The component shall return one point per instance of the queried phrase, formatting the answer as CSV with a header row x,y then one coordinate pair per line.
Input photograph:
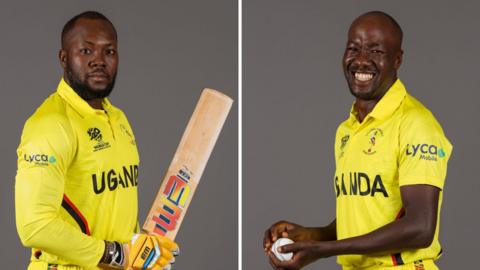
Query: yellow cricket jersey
x,y
398,143
76,182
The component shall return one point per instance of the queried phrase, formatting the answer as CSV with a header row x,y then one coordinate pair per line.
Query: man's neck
x,y
96,103
363,108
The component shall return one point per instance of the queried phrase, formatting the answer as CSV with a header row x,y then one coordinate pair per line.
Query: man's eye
x,y
111,52
377,51
85,51
352,49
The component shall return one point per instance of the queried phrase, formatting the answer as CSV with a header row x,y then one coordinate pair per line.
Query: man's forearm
x,y
392,238
327,233
416,229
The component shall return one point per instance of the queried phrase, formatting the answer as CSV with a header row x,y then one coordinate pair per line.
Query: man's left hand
x,y
304,253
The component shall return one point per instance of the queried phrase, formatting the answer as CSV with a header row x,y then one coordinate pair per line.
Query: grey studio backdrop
x,y
169,51
295,95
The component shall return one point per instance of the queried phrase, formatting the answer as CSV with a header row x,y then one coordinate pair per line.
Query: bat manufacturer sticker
x,y
174,200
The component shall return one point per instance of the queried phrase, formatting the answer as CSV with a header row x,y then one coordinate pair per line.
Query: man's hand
x,y
142,252
309,243
150,252
414,230
288,230
304,253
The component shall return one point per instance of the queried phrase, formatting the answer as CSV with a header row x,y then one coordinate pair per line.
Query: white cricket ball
x,y
282,242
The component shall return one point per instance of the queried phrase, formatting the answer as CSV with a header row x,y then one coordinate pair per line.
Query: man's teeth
x,y
363,76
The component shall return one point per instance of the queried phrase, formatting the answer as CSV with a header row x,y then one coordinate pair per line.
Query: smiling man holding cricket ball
x,y
391,160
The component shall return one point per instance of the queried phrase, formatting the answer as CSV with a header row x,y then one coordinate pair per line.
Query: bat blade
x,y
185,170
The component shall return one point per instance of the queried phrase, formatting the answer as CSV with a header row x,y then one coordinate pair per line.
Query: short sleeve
x,y
424,151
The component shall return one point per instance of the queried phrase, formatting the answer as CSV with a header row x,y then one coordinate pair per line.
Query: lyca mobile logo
x,y
40,159
425,151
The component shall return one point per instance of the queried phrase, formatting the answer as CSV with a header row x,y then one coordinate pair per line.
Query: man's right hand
x,y
150,252
142,252
288,230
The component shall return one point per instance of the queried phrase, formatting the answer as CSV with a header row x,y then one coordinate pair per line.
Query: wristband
x,y
113,255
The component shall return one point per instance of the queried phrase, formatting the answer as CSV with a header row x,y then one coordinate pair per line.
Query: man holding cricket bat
x,y
391,161
76,184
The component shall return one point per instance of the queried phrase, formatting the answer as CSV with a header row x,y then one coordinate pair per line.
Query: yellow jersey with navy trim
x,y
76,183
398,143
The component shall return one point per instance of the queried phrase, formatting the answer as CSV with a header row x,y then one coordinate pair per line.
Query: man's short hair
x,y
92,15
390,19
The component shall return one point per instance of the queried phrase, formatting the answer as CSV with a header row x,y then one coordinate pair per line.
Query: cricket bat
x,y
185,170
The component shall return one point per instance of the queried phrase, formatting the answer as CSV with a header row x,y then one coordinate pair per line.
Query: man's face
x,y
89,58
372,58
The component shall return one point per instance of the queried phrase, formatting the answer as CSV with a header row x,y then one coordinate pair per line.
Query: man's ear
x,y
399,59
62,56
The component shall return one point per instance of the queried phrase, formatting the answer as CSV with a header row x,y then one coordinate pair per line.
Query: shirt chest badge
x,y
96,135
128,133
343,143
373,137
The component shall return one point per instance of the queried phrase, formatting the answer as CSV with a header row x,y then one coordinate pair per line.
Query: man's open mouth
x,y
363,76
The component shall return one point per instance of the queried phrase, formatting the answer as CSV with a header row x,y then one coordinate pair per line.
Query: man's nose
x,y
362,58
98,59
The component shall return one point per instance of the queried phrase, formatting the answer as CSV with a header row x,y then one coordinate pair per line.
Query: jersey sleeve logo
x,y
373,135
96,135
425,151
40,159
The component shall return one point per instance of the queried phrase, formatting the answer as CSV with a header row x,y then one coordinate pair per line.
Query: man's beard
x,y
84,91
370,95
